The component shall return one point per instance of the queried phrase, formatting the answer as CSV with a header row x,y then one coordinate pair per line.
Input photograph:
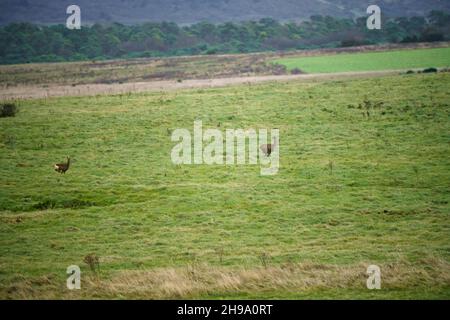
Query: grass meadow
x,y
370,61
364,179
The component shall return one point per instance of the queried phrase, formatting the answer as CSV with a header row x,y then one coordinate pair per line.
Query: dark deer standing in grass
x,y
62,167
268,148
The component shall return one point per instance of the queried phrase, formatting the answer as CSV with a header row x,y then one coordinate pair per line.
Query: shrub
x,y
212,51
429,70
8,110
296,71
432,37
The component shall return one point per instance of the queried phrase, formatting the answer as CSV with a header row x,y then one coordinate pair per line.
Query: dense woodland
x,y
25,42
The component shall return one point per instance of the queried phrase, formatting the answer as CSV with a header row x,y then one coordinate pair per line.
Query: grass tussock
x,y
204,280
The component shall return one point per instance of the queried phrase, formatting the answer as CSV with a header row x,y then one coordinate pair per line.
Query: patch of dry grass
x,y
201,280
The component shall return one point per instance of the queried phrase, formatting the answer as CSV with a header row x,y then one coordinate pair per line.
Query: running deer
x,y
62,167
268,148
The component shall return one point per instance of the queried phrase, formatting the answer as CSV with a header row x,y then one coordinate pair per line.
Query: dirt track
x,y
35,91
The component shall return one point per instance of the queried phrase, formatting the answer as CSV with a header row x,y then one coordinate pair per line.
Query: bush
x,y
212,51
353,42
429,70
432,37
296,71
8,110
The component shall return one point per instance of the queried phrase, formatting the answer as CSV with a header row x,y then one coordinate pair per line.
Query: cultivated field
x,y
370,61
364,179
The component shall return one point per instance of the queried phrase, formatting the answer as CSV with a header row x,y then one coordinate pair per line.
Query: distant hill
x,y
191,11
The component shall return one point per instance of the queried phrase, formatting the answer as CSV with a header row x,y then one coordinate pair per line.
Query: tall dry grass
x,y
200,280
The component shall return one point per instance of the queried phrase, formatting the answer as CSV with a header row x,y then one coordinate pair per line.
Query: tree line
x,y
26,42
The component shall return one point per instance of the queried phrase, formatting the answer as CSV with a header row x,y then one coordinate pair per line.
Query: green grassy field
x,y
364,179
370,61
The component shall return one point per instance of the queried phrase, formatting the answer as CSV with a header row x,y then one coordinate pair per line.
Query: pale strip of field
x,y
36,92
199,280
